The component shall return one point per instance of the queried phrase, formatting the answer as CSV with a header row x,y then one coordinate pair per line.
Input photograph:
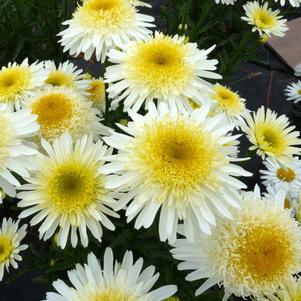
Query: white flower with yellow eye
x,y
163,68
293,92
111,281
18,81
178,164
252,254
100,25
66,191
10,244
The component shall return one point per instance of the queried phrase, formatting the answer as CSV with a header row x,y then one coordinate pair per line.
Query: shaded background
x,y
261,82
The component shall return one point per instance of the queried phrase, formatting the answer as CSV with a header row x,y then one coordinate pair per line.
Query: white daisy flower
x,y
10,244
100,25
18,81
61,109
66,191
286,176
163,68
15,127
294,3
66,75
271,135
176,163
293,92
297,70
111,281
228,102
264,19
252,254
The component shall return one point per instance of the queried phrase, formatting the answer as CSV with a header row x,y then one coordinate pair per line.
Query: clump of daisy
x,y
111,281
10,244
60,109
252,254
15,128
178,164
293,92
66,191
228,102
294,3
18,81
297,70
163,68
66,75
100,25
97,93
264,19
286,176
271,135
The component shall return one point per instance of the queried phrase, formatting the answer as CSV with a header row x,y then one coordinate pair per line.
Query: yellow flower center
x,y
286,174
159,66
54,111
178,157
263,19
97,92
113,294
299,92
5,247
59,78
73,186
228,100
13,81
270,138
106,16
264,252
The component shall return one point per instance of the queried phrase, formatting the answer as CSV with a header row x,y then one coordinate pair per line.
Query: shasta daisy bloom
x,y
294,3
271,135
293,92
61,109
111,281
163,68
254,253
66,75
228,102
97,93
264,19
100,25
286,176
15,128
18,81
178,164
66,191
10,244
297,70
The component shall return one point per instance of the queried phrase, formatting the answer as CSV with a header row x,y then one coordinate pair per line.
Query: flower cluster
x,y
175,157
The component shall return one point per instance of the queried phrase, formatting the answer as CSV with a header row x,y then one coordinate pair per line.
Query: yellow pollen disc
x,y
73,186
263,19
270,138
13,81
59,78
299,92
286,174
264,252
112,294
159,65
54,111
105,16
178,156
5,247
227,100
97,92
